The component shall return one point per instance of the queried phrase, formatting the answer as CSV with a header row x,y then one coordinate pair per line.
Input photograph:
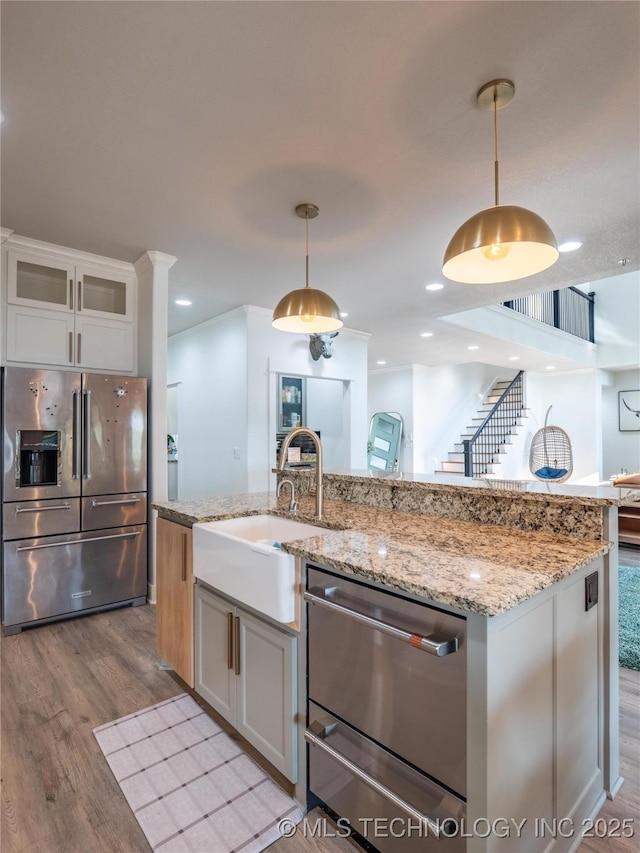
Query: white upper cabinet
x,y
67,311
38,283
43,282
102,296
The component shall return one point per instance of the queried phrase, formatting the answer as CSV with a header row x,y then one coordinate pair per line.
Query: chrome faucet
x,y
293,503
301,430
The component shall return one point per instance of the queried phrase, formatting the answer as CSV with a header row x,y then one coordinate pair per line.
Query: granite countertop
x,y
603,494
478,568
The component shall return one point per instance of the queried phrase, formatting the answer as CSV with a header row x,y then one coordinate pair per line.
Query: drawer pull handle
x,y
95,504
185,556
433,644
41,508
432,827
230,640
237,645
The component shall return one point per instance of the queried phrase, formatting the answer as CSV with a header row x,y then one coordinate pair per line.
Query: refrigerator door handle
x,y
76,461
86,436
78,541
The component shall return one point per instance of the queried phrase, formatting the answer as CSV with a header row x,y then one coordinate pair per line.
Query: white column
x,y
5,233
152,270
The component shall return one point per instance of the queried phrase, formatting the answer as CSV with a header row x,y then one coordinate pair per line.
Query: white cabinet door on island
x,y
535,722
245,668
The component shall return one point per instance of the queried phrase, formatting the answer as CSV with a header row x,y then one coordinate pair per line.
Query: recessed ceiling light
x,y
343,314
183,302
426,334
551,367
435,286
381,362
569,246
514,358
473,346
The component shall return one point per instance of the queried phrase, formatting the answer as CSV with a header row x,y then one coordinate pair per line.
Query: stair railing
x,y
480,450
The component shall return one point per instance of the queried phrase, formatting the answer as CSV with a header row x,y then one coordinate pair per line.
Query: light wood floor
x,y
60,681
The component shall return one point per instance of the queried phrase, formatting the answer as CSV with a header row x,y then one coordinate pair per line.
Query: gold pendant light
x,y
307,311
504,242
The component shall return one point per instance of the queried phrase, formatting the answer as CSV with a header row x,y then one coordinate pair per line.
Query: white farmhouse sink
x,y
241,558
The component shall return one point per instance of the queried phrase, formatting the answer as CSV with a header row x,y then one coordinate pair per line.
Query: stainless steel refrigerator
x,y
74,494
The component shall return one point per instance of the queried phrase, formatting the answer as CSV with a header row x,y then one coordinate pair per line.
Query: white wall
x,y
619,449
436,403
271,352
325,413
228,368
210,362
449,397
576,398
505,324
617,320
391,390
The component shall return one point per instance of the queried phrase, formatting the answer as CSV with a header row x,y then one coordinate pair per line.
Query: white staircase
x,y
489,456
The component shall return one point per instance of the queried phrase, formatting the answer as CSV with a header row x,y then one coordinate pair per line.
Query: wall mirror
x,y
383,447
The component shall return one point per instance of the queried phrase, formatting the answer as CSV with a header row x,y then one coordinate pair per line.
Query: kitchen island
x,y
540,716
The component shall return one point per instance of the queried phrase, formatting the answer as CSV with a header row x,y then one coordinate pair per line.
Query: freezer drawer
x,y
380,672
104,511
27,519
386,801
58,575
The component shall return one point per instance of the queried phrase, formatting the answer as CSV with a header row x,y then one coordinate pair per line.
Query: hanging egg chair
x,y
550,457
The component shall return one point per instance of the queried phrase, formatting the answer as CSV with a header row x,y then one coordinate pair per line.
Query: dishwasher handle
x,y
434,644
315,736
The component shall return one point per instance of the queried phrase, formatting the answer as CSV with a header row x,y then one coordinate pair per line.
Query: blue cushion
x,y
550,473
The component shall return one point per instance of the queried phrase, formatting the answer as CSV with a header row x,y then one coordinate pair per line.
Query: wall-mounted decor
x,y
629,411
320,345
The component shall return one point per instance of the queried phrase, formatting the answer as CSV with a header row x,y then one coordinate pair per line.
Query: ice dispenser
x,y
39,456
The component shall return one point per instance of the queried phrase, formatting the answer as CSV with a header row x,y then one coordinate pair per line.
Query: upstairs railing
x,y
480,450
568,309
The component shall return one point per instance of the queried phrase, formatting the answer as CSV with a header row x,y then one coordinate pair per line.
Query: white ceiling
x,y
194,128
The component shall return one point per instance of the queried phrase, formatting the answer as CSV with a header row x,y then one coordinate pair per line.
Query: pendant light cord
x,y
306,225
495,145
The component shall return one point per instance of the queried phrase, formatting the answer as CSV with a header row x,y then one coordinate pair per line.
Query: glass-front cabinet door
x,y
291,402
40,282
104,295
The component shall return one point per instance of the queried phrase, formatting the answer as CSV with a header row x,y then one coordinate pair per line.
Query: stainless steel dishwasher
x,y
386,714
